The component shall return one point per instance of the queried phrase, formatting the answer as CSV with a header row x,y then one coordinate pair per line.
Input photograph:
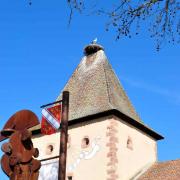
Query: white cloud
x,y
170,94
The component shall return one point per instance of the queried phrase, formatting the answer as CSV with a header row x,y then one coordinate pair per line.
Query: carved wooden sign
x,y
18,161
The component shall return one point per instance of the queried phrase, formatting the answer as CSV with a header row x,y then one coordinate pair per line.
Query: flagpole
x,y
63,136
49,104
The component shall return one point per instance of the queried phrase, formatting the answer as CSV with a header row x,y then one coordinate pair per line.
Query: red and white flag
x,y
51,119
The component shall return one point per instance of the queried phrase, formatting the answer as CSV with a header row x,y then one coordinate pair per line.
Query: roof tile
x,y
169,170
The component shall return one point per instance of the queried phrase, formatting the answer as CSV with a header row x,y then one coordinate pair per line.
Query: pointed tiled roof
x,y
95,91
95,88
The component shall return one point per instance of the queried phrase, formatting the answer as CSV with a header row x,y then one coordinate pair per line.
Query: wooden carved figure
x,y
18,161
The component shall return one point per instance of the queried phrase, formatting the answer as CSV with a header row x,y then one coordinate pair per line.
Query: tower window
x,y
85,142
69,141
49,149
129,143
70,178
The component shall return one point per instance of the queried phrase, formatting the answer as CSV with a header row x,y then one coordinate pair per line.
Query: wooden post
x,y
63,136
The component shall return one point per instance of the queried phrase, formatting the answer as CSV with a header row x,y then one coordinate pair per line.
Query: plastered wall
x,y
83,162
109,155
136,150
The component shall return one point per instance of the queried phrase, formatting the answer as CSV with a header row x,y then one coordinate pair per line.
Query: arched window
x,y
69,141
129,143
70,176
49,149
85,142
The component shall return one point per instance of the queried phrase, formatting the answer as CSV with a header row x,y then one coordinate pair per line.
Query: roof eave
x,y
117,113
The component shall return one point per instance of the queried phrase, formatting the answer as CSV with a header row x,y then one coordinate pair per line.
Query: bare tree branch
x,y
127,17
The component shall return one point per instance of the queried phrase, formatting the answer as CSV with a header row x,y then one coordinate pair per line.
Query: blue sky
x,y
38,53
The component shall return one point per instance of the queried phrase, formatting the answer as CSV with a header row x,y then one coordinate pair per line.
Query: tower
x,y
107,139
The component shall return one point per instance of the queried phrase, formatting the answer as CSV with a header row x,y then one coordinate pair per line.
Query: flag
x,y
51,118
